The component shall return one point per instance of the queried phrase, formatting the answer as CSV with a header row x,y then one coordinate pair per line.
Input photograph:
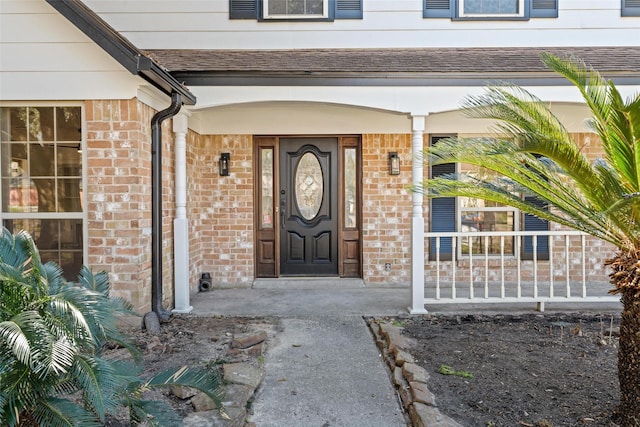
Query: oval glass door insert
x,y
309,186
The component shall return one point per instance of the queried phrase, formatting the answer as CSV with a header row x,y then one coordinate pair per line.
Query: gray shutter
x,y
543,9
443,218
443,211
630,7
533,223
243,9
438,8
348,9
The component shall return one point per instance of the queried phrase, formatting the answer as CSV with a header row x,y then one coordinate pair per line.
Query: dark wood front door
x,y
308,202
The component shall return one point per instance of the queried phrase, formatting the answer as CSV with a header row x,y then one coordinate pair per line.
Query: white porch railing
x,y
495,270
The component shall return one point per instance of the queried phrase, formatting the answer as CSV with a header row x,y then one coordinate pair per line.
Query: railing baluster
x,y
438,267
567,265
502,295
454,252
534,241
550,266
518,269
583,249
486,267
470,267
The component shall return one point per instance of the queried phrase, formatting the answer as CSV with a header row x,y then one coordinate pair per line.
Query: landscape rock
x,y
182,392
421,394
428,416
248,339
201,403
234,417
237,395
243,373
413,372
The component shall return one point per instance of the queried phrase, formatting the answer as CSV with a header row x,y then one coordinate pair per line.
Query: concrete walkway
x,y
323,368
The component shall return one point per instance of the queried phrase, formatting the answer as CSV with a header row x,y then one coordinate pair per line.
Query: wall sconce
x,y
225,158
394,163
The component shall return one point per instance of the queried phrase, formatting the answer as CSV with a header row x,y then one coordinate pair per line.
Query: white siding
x,y
205,24
44,57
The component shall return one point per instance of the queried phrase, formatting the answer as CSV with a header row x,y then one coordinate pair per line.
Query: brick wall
x,y
220,209
119,198
386,214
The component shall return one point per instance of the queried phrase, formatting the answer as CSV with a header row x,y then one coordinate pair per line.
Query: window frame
x,y
77,215
520,220
450,9
519,14
336,9
286,17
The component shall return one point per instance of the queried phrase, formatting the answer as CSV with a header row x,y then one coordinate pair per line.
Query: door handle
x,y
283,208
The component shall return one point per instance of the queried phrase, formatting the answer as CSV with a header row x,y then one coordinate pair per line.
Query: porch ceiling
x,y
394,67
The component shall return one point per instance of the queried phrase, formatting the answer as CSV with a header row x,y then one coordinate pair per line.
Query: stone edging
x,y
409,378
241,380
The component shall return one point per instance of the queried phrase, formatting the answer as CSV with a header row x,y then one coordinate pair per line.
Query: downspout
x,y
156,204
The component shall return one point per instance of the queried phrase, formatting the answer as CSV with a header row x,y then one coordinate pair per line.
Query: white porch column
x,y
181,223
417,219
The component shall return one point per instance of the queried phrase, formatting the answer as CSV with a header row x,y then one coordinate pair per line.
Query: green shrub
x,y
53,335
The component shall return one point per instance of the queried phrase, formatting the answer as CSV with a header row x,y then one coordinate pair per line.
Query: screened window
x,y
279,9
490,9
498,8
41,179
316,10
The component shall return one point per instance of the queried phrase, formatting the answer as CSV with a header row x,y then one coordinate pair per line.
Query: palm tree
x,y
53,335
532,154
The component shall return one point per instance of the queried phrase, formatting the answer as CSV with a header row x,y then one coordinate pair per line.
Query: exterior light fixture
x,y
394,163
225,159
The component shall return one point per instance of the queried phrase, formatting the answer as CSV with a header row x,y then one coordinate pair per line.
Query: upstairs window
x,y
295,10
630,7
491,9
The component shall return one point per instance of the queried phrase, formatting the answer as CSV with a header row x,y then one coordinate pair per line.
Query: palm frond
x,y
581,194
154,413
99,383
56,412
207,381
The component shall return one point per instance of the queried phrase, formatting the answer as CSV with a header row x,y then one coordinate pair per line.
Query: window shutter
x,y
543,9
532,223
443,211
630,7
443,218
348,9
243,9
438,8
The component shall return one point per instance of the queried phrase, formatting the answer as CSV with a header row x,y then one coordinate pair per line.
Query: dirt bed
x,y
531,370
191,341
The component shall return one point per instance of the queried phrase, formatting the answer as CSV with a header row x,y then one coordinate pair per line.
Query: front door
x,y
308,206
